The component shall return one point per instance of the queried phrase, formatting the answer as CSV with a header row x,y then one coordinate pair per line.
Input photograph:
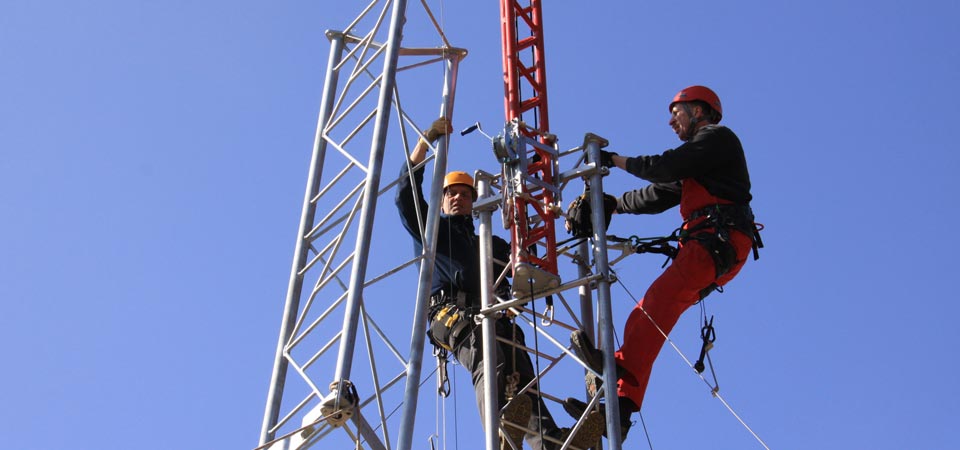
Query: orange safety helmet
x,y
699,93
458,177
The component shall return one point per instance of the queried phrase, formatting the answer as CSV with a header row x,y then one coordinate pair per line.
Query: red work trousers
x,y
668,297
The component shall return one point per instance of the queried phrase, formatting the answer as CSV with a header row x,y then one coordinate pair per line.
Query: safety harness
x,y
451,320
720,218
723,218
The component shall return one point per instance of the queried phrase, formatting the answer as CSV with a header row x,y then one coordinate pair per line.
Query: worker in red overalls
x,y
707,176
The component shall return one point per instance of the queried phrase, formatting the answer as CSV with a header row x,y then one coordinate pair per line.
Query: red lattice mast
x,y
525,91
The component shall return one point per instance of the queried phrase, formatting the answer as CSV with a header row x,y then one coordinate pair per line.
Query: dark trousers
x,y
509,360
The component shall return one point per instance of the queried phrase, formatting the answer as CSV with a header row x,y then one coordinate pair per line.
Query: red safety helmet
x,y
701,93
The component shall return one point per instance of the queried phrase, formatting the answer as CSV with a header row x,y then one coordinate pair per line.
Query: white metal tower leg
x,y
361,253
295,287
425,284
605,320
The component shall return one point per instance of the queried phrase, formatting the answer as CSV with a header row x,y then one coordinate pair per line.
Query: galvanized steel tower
x,y
348,374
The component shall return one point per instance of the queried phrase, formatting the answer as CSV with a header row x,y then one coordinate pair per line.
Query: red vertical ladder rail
x,y
526,231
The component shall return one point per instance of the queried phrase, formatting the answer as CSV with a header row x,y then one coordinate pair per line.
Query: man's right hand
x,y
439,127
606,159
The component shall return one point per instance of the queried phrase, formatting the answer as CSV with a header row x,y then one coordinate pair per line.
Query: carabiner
x,y
547,319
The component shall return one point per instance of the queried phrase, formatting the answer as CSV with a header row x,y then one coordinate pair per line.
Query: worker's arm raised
x,y
439,127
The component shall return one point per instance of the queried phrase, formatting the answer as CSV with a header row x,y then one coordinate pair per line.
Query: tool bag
x,y
579,221
449,324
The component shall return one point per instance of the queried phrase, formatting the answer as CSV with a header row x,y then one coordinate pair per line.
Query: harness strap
x,y
719,219
443,380
461,299
725,216
659,245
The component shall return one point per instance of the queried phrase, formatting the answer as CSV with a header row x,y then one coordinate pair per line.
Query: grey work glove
x,y
439,127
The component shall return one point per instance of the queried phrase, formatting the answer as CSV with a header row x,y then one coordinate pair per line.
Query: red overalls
x,y
671,294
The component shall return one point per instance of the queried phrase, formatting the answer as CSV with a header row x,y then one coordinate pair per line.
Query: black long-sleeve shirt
x,y
713,158
457,267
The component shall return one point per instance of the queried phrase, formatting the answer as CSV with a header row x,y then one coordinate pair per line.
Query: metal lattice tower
x,y
341,376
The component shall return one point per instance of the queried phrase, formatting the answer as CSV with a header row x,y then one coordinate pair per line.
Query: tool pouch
x,y
448,326
579,219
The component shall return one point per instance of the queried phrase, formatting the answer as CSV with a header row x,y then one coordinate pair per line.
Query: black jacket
x,y
713,158
457,267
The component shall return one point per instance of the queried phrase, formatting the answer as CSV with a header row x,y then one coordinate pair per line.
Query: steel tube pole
x,y
605,322
586,296
418,334
292,303
491,408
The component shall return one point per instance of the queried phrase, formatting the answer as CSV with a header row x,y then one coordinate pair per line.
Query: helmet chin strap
x,y
692,126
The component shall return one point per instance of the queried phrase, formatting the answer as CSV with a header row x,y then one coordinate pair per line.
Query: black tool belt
x,y
459,298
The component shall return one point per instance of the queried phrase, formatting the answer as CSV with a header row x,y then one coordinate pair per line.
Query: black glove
x,y
606,158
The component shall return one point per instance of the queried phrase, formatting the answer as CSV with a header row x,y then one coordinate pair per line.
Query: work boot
x,y
584,349
517,412
588,436
575,409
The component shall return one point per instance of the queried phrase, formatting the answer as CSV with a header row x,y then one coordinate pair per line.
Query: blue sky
x,y
154,156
